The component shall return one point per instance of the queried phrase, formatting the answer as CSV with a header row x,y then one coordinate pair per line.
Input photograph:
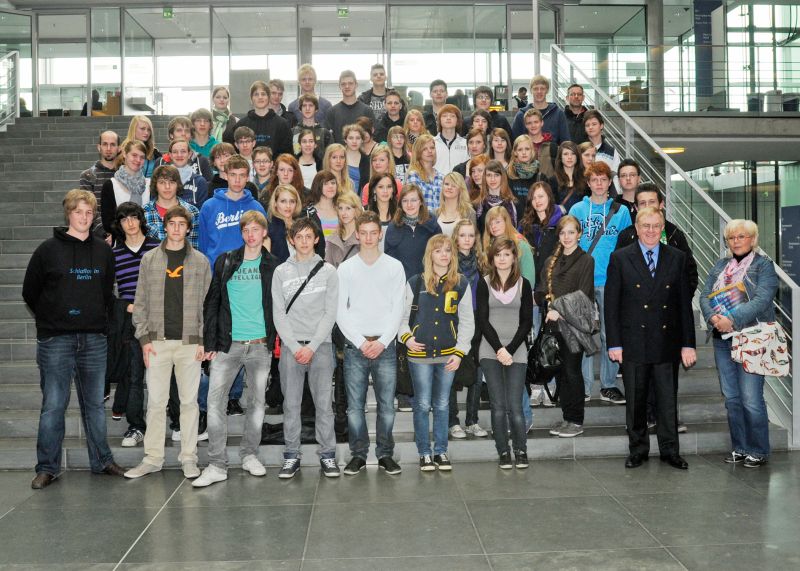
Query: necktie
x,y
651,263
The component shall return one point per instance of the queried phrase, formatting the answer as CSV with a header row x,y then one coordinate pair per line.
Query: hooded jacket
x,y
593,220
219,222
555,123
271,131
385,123
407,245
577,131
68,285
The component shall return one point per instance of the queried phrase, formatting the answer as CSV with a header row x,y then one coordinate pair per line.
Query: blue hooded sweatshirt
x,y
555,123
219,222
593,219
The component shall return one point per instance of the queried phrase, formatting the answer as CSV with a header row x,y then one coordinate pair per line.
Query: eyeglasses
x,y
576,94
244,141
261,162
738,237
483,97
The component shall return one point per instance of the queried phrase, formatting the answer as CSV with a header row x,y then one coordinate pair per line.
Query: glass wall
x,y
106,63
15,35
139,68
62,66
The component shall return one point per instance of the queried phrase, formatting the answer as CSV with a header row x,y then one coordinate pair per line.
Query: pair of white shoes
x,y
539,397
213,474
190,470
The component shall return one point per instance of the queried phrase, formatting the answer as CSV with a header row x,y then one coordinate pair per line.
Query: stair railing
x,y
9,88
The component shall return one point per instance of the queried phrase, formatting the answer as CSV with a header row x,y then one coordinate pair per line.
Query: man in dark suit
x,y
649,324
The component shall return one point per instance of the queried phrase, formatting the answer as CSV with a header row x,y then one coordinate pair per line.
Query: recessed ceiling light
x,y
673,150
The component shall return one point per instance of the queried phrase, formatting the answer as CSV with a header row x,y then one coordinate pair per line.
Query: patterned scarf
x,y
526,170
410,221
135,183
734,271
220,121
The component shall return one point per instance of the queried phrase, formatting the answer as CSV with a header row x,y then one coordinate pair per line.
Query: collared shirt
x,y
155,223
645,249
431,191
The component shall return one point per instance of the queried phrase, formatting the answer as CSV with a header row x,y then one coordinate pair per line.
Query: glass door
x,y
63,62
15,35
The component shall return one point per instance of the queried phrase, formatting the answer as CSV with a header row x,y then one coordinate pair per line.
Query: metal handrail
x,y
632,129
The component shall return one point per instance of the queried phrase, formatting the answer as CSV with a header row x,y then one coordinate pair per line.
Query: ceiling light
x,y
673,150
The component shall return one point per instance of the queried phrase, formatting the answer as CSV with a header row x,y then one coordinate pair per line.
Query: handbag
x,y
466,373
544,358
761,349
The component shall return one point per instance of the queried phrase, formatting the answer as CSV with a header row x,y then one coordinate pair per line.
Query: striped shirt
x,y
126,266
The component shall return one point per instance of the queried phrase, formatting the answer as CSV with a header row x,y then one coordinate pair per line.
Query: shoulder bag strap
x,y
412,317
611,212
309,277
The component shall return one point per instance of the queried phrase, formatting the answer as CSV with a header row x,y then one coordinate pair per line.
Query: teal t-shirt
x,y
244,292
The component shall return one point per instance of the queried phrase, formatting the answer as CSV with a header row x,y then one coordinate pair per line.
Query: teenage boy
x,y
629,179
555,122
594,124
574,112
269,130
238,332
305,294
375,97
93,178
202,141
219,156
181,128
451,148
276,90
307,79
348,109
395,116
369,319
164,188
309,105
482,99
168,316
68,286
245,139
438,89
601,220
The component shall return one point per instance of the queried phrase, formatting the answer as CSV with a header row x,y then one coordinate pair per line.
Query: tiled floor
x,y
585,514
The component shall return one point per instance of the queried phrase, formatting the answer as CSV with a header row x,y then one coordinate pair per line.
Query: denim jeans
x,y
431,389
473,402
608,368
236,391
61,358
505,384
357,369
255,359
744,399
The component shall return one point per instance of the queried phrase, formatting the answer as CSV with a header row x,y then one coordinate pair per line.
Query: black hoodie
x,y
68,285
271,131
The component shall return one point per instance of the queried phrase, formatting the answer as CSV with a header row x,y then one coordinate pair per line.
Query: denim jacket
x,y
761,283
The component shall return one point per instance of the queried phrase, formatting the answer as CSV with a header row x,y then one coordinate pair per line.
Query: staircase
x,y
41,158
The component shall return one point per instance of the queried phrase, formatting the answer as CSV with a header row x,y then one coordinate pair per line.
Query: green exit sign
x,y
167,12
343,12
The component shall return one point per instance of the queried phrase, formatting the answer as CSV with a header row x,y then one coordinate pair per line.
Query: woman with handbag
x,y
743,390
436,328
504,314
568,270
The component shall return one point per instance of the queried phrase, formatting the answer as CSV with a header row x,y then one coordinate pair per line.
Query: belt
x,y
261,341
372,337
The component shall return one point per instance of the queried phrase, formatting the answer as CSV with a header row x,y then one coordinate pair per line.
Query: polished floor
x,y
559,514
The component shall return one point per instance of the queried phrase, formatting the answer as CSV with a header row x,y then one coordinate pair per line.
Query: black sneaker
x,y
234,408
290,467
613,395
426,464
505,461
735,458
329,468
387,463
355,465
521,459
753,462
442,461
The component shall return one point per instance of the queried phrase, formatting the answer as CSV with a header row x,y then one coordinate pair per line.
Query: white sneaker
x,y
203,436
132,437
176,435
546,399
210,475
477,430
142,469
190,470
457,432
536,396
253,466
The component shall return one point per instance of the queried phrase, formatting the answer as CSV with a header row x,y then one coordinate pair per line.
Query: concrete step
x,y
14,261
10,292
17,207
42,219
11,277
19,374
40,175
17,330
13,310
11,351
18,246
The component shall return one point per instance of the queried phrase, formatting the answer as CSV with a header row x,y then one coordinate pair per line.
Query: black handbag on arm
x,y
544,357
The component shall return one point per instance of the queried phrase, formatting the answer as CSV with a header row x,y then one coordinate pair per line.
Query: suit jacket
x,y
649,317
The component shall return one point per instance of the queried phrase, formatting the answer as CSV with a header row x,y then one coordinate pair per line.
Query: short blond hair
x,y
540,80
74,197
749,227
253,216
304,69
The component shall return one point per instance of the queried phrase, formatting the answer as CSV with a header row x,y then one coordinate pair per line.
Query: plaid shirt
x,y
431,191
155,223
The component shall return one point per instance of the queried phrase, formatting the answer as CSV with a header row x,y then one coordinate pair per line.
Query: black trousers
x,y
570,385
638,378
651,397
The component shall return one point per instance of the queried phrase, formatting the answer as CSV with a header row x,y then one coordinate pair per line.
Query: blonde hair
x,y
512,165
750,228
75,197
540,80
149,144
273,201
351,199
126,147
416,155
347,129
382,148
341,177
477,247
428,275
464,205
509,232
406,129
304,69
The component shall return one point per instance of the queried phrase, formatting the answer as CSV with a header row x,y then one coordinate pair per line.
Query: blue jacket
x,y
219,222
592,218
195,190
761,283
408,246
555,123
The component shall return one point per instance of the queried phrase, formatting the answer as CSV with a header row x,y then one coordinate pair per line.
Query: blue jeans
x,y
357,369
744,399
236,392
608,368
431,388
60,358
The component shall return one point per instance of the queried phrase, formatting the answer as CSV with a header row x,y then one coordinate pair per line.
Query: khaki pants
x,y
187,375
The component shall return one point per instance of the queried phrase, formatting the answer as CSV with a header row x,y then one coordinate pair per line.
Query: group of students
x,y
434,247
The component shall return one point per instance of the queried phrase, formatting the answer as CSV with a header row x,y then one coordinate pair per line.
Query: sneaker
x,y
355,465
587,398
253,466
753,462
190,470
387,463
546,402
133,437
505,461
536,396
426,464
682,428
142,469
176,435
211,475
457,432
651,424
735,458
117,416
442,462
613,395
570,430
329,468
558,427
403,404
234,408
521,459
477,430
291,466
